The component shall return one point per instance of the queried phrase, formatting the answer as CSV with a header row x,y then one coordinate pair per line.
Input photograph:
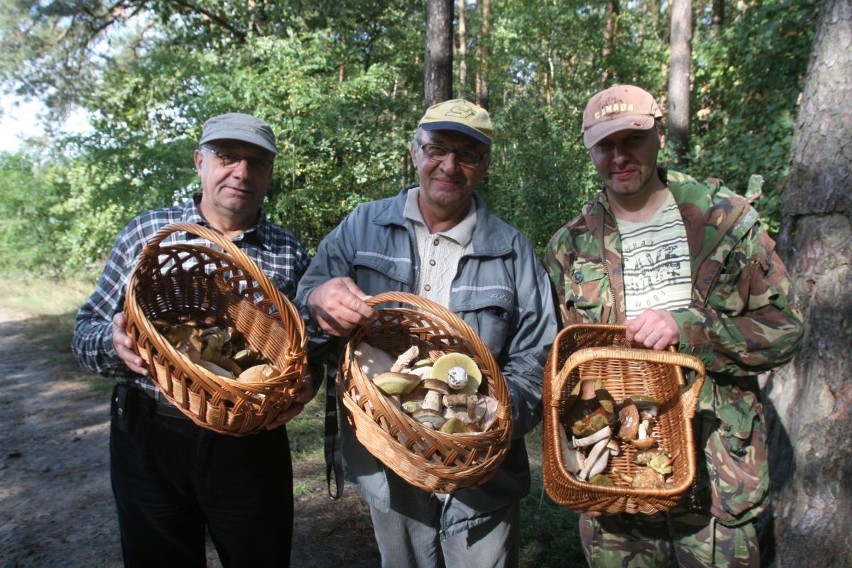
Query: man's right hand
x,y
124,345
338,306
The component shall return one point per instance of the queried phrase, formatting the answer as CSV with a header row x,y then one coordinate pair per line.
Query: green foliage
x,y
748,77
341,85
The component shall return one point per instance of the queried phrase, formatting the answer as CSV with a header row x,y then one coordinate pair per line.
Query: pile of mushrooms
x,y
217,348
438,390
596,428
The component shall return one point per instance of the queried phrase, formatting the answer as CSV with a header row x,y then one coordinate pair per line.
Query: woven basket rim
x,y
244,396
446,479
583,496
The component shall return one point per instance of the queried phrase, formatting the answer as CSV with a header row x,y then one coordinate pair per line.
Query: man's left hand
x,y
303,397
654,329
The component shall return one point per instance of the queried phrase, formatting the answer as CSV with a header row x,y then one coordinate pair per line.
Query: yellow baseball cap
x,y
461,116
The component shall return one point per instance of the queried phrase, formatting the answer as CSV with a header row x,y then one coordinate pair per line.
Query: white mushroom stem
x,y
604,433
572,456
644,426
599,449
405,359
432,401
599,465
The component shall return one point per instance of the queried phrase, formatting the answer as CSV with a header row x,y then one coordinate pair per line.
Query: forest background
x,y
344,83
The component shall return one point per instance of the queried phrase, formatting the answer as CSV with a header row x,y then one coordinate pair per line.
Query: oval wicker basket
x,y
198,281
597,351
426,458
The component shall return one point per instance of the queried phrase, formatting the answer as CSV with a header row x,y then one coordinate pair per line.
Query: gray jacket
x,y
501,290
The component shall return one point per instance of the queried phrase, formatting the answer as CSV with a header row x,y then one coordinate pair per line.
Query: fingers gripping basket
x,y
426,458
198,281
596,351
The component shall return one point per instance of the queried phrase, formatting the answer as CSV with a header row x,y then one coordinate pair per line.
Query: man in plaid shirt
x,y
171,478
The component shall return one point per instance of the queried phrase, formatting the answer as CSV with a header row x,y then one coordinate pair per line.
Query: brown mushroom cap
x,y
436,385
628,418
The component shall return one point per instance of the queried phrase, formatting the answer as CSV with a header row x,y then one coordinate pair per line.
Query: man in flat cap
x,y
172,479
437,239
688,264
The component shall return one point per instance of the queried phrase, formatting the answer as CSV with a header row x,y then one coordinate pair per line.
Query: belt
x,y
160,407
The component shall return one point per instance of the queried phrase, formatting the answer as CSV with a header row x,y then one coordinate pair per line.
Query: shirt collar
x,y
461,233
258,234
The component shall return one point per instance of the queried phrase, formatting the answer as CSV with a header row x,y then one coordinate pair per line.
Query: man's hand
x,y
338,306
303,397
654,329
124,345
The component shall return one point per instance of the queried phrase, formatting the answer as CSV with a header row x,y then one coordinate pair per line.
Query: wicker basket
x,y
429,459
596,351
194,280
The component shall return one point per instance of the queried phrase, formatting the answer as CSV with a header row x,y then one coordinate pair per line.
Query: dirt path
x,y
56,506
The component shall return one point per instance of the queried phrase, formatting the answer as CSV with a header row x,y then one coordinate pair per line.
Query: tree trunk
x,y
609,37
438,80
462,51
810,400
484,55
679,78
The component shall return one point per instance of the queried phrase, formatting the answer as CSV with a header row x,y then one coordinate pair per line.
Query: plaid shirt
x,y
278,253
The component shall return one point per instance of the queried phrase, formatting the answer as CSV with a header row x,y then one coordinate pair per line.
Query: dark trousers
x,y
173,479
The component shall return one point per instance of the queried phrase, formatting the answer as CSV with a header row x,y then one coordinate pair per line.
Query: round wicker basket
x,y
201,282
426,458
597,351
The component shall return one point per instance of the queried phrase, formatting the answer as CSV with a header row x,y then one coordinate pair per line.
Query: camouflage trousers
x,y
675,538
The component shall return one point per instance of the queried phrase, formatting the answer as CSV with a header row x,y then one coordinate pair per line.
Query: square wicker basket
x,y
426,458
597,351
198,281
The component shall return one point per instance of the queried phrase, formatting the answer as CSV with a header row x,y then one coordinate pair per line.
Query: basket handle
x,y
443,313
246,263
690,392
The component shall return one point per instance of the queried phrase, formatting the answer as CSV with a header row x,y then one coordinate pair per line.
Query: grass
x,y
549,536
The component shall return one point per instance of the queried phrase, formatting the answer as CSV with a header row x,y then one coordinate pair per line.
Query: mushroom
x,y
647,407
628,419
453,426
428,418
445,363
372,361
603,434
589,408
396,383
456,378
647,478
405,359
573,457
596,460
432,400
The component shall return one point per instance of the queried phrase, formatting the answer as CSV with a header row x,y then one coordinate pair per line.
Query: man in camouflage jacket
x,y
738,319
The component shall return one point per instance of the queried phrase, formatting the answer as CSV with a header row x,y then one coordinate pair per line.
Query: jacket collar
x,y
492,237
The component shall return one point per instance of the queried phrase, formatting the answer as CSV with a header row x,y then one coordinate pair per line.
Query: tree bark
x,y
438,79
484,55
610,27
810,400
679,78
462,50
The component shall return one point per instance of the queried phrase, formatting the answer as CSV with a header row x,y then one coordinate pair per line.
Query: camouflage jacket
x,y
742,321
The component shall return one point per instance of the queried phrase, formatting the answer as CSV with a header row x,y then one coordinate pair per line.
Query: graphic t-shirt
x,y
655,258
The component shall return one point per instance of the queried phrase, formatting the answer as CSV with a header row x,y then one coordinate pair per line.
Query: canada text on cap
x,y
239,126
461,116
622,107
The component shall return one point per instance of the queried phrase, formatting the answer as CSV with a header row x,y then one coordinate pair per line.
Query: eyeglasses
x,y
467,158
230,161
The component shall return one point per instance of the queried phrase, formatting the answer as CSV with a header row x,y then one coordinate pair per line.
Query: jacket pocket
x,y
375,271
586,289
736,456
